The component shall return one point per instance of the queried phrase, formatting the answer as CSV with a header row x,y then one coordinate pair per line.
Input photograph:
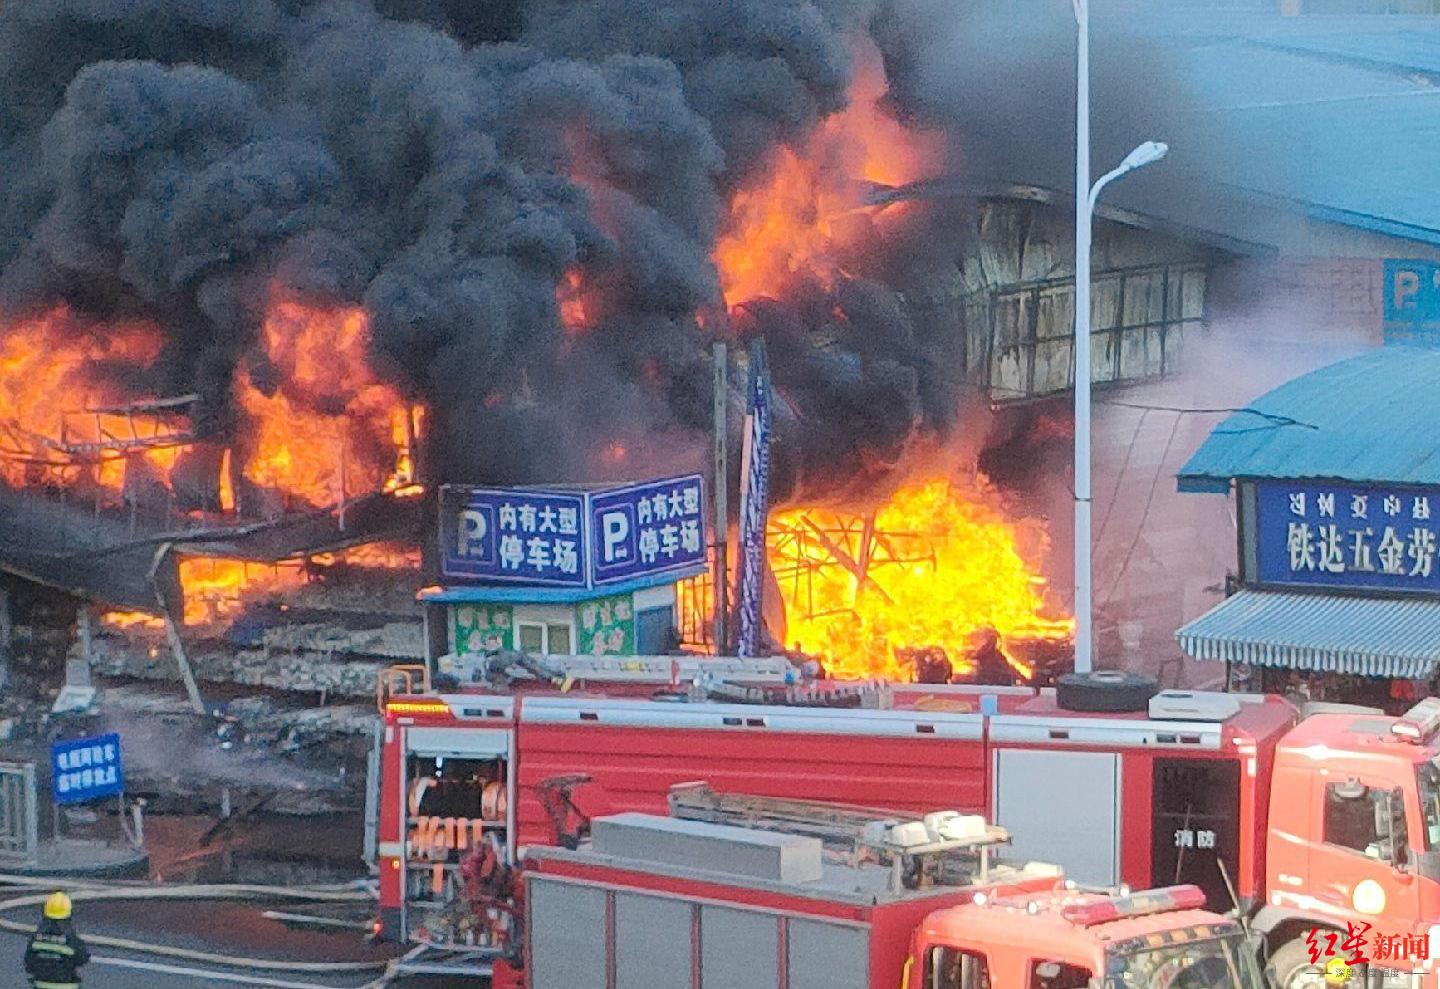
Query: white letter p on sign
x,y
615,529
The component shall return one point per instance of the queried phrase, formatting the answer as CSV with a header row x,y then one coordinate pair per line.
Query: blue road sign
x,y
650,528
85,769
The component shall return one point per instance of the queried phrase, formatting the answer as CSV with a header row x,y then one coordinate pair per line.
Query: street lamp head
x,y
1144,154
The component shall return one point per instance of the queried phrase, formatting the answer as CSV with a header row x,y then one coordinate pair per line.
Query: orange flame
x,y
131,619
794,217
217,589
940,568
50,371
328,430
577,306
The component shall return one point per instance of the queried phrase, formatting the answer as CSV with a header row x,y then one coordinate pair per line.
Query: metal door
x,y
19,814
1062,807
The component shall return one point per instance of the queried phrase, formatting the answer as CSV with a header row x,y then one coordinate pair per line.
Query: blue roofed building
x,y
1335,478
1304,156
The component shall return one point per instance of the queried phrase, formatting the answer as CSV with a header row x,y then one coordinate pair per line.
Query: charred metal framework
x,y
814,544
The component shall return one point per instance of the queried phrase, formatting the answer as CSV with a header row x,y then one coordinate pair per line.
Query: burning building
x,y
270,273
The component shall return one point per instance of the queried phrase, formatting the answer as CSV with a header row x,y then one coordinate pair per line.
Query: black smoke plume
x,y
447,165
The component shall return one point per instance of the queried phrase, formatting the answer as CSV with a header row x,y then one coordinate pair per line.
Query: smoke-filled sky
x,y
179,159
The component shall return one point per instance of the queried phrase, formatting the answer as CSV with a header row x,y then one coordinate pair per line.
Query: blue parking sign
x,y
514,535
646,529
85,769
1412,301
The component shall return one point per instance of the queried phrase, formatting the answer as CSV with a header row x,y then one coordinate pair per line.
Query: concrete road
x,y
221,928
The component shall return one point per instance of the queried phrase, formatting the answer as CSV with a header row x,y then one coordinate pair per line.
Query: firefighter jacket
x,y
54,955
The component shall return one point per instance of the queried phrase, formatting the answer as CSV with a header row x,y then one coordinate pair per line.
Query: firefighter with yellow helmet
x,y
55,954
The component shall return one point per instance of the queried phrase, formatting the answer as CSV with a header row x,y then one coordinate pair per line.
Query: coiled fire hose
x,y
86,892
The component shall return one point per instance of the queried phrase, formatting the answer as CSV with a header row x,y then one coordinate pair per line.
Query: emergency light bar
x,y
1419,723
1137,905
416,707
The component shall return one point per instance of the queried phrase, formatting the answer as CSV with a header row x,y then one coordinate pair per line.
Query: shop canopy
x,y
1370,419
1382,637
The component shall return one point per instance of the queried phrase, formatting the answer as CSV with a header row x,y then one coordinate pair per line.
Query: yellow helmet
x,y
57,907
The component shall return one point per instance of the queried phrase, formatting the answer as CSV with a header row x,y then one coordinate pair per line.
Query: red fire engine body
x,y
663,909
1321,823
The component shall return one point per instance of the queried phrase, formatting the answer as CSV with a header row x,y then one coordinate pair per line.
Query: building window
x,y
552,638
557,640
532,638
655,633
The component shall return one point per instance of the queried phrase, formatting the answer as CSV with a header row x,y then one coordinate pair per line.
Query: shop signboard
x,y
1347,536
482,628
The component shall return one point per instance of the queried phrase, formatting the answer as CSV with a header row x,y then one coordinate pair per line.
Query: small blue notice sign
x,y
85,769
1412,301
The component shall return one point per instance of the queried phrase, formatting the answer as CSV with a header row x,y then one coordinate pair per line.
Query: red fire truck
x,y
657,902
1331,822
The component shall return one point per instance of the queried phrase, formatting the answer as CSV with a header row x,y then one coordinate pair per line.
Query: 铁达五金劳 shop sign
x,y
1363,537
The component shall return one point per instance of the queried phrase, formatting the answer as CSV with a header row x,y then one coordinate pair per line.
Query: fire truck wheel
x,y
1105,690
1293,969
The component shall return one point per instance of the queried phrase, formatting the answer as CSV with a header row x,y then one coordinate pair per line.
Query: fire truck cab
x,y
1062,939
1354,836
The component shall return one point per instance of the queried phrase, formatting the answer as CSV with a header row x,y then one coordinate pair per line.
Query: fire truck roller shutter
x,y
567,936
457,743
1062,807
827,956
652,942
739,949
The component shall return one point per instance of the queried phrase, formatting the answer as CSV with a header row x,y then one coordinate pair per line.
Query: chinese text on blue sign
x,y
648,529
85,769
1337,535
533,537
1412,301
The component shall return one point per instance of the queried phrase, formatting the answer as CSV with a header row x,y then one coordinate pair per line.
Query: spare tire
x,y
1105,690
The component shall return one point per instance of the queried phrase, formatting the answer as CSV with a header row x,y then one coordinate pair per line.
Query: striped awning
x,y
1380,637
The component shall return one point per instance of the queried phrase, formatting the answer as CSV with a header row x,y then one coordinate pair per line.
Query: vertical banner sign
x,y
85,769
1412,302
754,501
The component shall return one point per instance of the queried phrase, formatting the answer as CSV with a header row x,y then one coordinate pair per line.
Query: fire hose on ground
x,y
87,892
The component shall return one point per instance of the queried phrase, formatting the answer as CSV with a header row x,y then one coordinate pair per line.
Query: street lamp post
x,y
1086,196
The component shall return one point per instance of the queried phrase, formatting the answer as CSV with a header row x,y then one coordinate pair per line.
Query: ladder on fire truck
x,y
921,847
726,679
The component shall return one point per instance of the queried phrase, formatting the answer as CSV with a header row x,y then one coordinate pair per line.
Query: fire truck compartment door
x,y
457,743
567,936
1062,807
